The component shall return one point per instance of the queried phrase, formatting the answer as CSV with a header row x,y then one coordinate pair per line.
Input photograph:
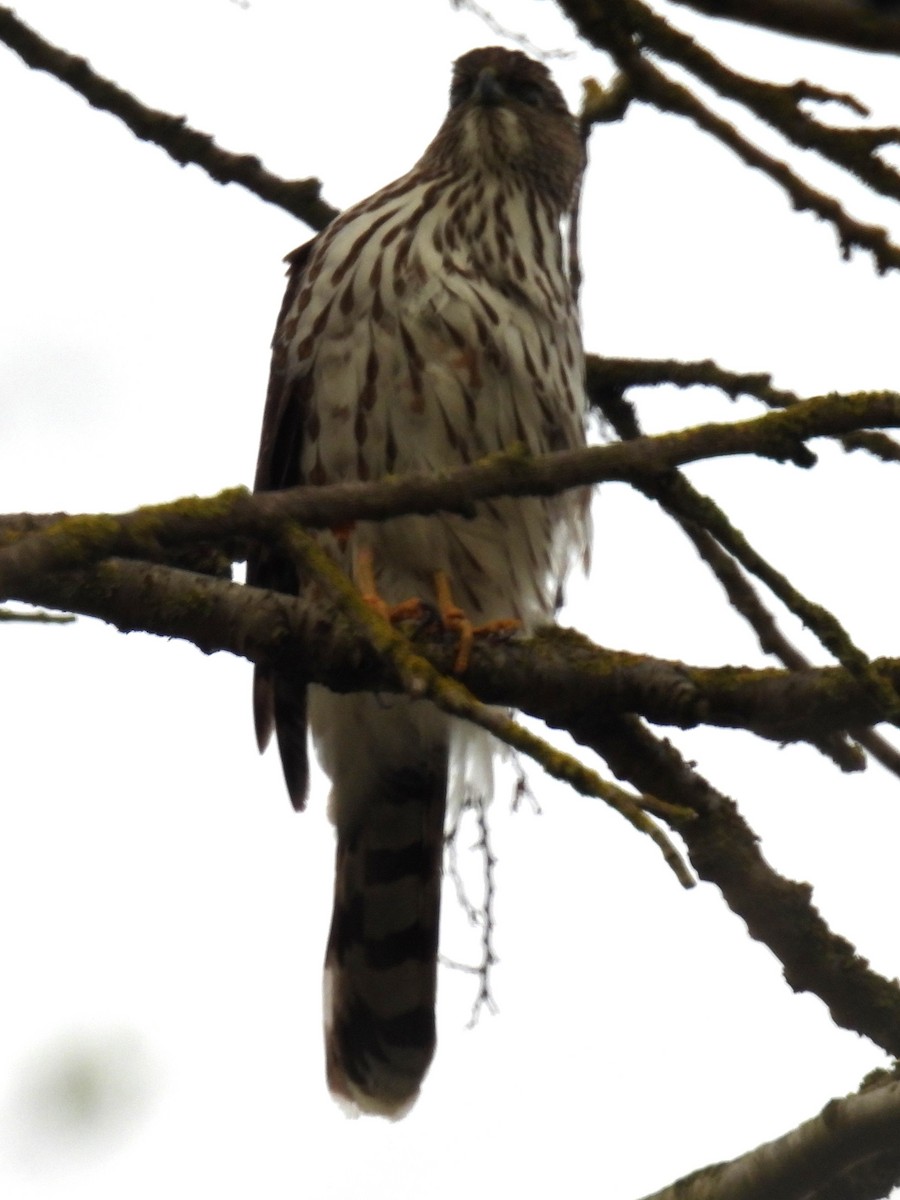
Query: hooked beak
x,y
488,90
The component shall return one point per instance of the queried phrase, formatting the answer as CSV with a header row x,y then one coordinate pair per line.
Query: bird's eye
x,y
460,92
531,94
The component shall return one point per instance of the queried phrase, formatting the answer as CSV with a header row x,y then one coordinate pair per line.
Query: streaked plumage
x,y
426,327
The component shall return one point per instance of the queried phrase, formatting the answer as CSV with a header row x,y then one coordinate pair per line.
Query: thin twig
x,y
480,916
38,618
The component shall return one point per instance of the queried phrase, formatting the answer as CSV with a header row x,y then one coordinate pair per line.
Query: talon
x,y
463,627
504,625
412,609
364,577
454,620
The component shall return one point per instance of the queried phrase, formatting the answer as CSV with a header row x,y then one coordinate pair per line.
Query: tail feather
x,y
381,961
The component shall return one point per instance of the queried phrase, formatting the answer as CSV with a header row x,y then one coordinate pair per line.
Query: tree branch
x,y
614,34
855,150
830,1155
695,513
858,24
557,675
778,912
617,374
300,197
235,515
352,649
224,520
421,680
279,630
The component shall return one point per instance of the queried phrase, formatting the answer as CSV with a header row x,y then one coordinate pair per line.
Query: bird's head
x,y
507,116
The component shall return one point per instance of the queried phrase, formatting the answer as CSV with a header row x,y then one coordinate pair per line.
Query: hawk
x,y
424,328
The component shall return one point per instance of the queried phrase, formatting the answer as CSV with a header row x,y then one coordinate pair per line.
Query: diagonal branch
x,y
695,511
848,1150
855,150
269,627
859,24
746,601
421,680
594,23
692,510
778,912
300,197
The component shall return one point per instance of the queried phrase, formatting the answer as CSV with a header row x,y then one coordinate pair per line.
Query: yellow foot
x,y
364,574
455,620
503,625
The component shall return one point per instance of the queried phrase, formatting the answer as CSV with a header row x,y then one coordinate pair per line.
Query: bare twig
x,y
481,915
620,373
37,618
512,35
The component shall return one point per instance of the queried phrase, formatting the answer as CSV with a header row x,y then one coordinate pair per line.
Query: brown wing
x,y
280,703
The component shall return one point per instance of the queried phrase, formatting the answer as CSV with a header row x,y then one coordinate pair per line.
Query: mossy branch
x,y
225,521
727,553
421,680
557,675
562,678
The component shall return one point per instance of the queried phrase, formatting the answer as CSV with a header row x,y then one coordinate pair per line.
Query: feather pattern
x,y
428,326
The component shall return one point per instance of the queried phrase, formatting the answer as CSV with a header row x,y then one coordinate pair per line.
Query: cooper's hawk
x,y
426,327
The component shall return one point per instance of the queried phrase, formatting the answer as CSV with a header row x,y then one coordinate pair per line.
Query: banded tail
x,y
381,960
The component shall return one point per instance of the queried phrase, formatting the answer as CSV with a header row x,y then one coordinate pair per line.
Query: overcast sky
x,y
165,911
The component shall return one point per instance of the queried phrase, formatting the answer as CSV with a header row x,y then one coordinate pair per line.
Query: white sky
x,y
164,910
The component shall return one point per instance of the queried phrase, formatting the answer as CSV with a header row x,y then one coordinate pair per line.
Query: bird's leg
x,y
364,577
454,618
